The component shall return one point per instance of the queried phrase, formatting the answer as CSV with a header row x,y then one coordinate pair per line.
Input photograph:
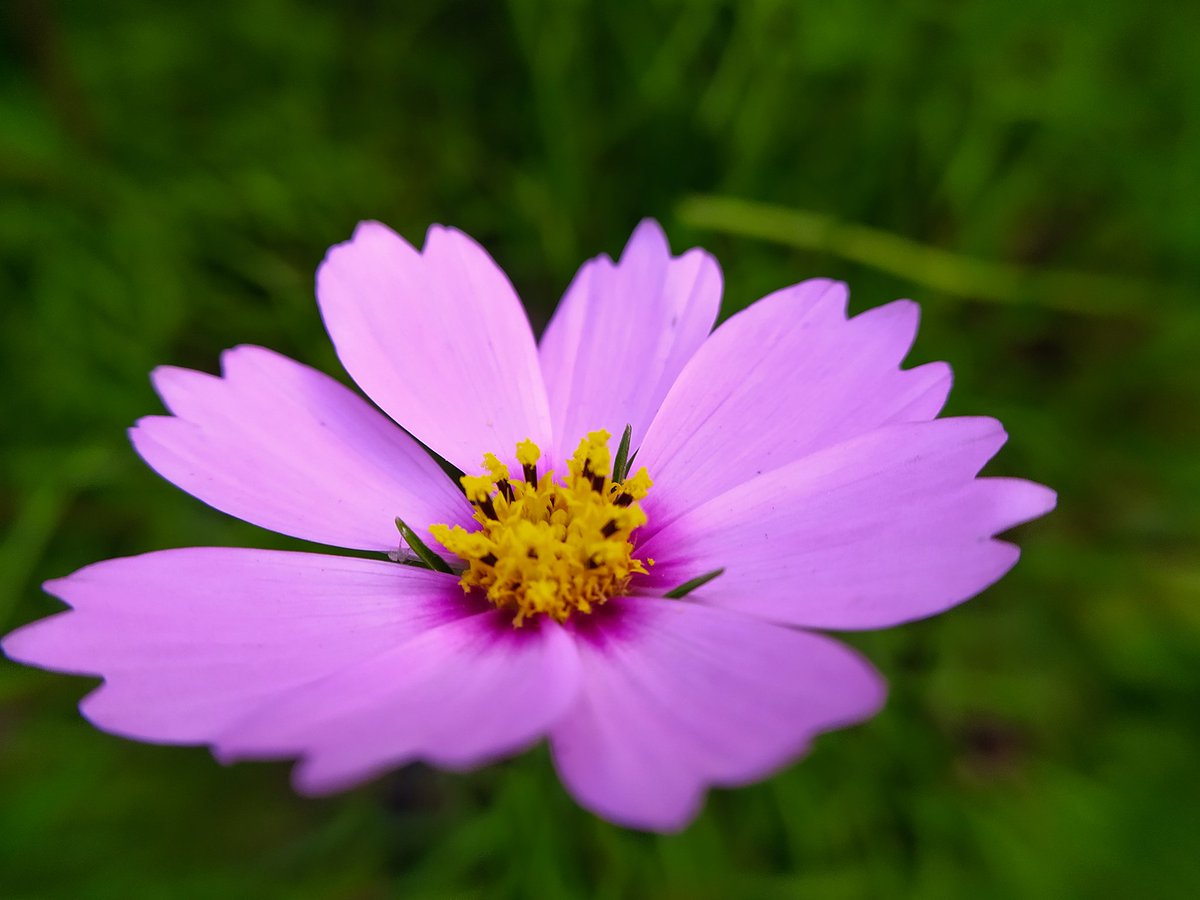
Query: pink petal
x,y
357,665
286,447
190,641
458,696
782,379
622,334
438,339
885,528
676,697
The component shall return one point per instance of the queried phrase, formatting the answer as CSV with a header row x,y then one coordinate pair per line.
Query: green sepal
x,y
430,559
688,586
622,462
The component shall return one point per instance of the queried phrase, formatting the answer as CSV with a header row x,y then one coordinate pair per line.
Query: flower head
x,y
544,548
646,604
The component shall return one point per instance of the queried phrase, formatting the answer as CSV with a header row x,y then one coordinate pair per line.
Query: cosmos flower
x,y
644,602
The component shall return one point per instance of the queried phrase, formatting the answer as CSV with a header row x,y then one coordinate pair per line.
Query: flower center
x,y
548,547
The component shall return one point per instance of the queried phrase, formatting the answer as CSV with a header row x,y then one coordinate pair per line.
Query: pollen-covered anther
x,y
547,547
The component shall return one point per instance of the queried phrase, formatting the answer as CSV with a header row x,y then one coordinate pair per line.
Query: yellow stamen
x,y
528,453
545,547
497,469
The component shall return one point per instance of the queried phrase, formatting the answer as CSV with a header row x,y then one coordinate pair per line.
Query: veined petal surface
x,y
286,447
622,333
457,696
779,380
437,338
355,664
675,697
882,529
190,640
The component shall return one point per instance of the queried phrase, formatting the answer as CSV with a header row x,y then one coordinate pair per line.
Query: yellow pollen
x,y
545,547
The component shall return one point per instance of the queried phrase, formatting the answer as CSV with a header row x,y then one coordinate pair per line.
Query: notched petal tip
x,y
175,384
47,644
938,372
238,359
163,376
651,239
703,260
823,295
181,388
142,426
1019,501
441,238
150,436
58,587
439,231
368,234
928,389
901,316
987,433
21,645
901,307
369,229
651,235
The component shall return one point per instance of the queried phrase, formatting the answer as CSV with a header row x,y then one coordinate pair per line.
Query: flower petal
x,y
438,339
622,334
885,528
781,379
190,641
286,447
676,697
356,664
457,696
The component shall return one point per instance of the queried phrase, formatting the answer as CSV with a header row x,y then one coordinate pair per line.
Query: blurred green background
x,y
171,174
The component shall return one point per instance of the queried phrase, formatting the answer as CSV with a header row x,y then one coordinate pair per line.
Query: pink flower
x,y
788,449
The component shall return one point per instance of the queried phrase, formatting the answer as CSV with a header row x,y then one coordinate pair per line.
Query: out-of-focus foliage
x,y
171,174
